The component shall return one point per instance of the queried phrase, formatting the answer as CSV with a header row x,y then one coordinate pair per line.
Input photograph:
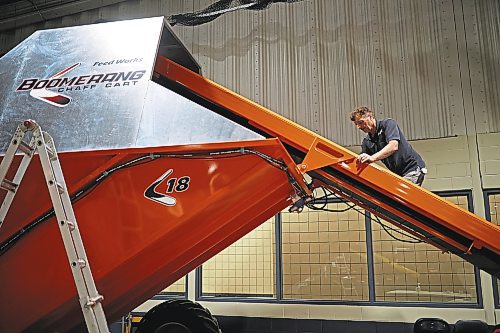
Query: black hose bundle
x,y
218,8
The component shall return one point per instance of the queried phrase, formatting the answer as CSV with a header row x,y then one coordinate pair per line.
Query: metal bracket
x,y
320,154
474,243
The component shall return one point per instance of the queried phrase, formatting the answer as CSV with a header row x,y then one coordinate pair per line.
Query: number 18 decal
x,y
158,189
178,185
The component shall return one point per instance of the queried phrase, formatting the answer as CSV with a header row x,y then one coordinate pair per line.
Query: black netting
x,y
219,8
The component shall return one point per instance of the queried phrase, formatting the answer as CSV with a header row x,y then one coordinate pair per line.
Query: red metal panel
x,y
135,246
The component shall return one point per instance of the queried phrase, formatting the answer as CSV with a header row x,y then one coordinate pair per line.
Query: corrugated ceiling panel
x,y
314,61
482,26
392,56
263,55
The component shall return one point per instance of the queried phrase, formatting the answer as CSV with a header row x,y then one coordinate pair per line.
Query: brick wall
x,y
489,156
449,164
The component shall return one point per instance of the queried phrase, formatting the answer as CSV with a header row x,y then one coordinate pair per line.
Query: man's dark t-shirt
x,y
404,160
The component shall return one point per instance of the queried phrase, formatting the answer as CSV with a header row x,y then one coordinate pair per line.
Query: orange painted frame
x,y
481,232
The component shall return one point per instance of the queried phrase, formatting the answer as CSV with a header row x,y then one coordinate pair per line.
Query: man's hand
x,y
365,158
385,152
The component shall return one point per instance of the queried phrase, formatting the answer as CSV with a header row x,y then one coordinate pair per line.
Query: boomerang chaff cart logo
x,y
51,90
39,90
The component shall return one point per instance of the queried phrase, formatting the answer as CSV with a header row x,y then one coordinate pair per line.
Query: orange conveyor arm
x,y
383,193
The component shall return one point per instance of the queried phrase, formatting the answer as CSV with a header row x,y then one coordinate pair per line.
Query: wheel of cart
x,y
178,316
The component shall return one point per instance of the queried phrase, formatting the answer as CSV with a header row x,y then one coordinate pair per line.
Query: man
x,y
385,142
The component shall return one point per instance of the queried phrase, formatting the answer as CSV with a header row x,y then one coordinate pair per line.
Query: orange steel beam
x,y
320,152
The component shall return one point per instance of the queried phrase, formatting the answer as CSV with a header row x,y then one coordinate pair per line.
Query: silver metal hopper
x,y
90,87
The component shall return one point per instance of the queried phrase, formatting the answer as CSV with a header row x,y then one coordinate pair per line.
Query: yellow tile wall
x,y
324,258
417,272
489,156
448,161
245,268
178,287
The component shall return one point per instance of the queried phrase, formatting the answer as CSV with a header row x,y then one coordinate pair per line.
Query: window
x,y
244,269
324,254
493,215
326,257
409,271
178,288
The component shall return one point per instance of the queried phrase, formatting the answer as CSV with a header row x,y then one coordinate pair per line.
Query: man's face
x,y
366,123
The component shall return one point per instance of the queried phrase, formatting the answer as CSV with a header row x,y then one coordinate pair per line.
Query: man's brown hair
x,y
360,112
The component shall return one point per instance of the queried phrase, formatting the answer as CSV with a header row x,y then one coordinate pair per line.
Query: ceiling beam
x,y
54,12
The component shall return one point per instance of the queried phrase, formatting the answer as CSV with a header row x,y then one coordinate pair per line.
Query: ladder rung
x,y
25,148
80,263
71,225
93,301
60,188
9,185
51,152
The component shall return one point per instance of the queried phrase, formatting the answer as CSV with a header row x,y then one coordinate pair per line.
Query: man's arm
x,y
387,151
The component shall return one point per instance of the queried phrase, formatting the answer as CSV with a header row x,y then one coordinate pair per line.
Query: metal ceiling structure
x,y
15,8
434,69
18,13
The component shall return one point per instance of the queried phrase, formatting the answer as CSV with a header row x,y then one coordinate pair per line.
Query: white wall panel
x,y
314,61
482,26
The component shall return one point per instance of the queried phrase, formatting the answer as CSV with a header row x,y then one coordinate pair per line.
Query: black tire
x,y
471,326
178,316
431,325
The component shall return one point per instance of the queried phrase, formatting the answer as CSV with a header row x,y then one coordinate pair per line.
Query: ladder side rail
x,y
88,297
11,150
94,298
9,197
11,186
